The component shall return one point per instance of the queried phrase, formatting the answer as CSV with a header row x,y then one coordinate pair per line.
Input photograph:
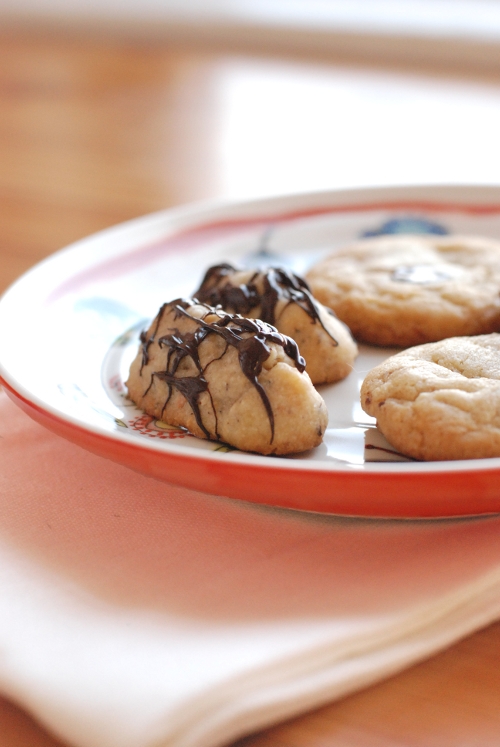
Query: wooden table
x,y
94,131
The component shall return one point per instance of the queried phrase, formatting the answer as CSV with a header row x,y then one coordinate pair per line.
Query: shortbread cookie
x,y
280,298
406,290
223,377
440,400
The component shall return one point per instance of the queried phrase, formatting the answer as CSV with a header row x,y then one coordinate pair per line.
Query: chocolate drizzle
x,y
250,337
147,341
278,285
191,387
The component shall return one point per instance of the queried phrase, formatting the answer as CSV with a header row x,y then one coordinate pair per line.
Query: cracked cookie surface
x,y
223,377
406,290
440,400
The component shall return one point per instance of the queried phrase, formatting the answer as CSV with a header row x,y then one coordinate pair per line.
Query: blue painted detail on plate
x,y
407,225
106,307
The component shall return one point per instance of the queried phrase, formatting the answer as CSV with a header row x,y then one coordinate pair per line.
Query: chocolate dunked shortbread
x,y
223,377
280,298
406,290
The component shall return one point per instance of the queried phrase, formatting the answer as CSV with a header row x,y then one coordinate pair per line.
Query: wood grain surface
x,y
94,131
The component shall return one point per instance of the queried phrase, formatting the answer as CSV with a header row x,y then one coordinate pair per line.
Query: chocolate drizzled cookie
x,y
225,377
283,299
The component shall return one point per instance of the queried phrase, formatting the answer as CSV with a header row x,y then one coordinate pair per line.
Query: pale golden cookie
x,y
406,290
223,377
440,400
280,298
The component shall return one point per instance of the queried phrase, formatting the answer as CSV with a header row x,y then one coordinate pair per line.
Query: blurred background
x,y
109,110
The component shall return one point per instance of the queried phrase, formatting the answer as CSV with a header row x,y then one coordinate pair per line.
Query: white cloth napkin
x,y
137,614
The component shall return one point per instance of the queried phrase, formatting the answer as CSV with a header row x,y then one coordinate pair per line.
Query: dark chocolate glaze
x,y
191,387
279,285
147,341
250,337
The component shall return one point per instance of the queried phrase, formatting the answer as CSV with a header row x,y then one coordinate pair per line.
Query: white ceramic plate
x,y
69,329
